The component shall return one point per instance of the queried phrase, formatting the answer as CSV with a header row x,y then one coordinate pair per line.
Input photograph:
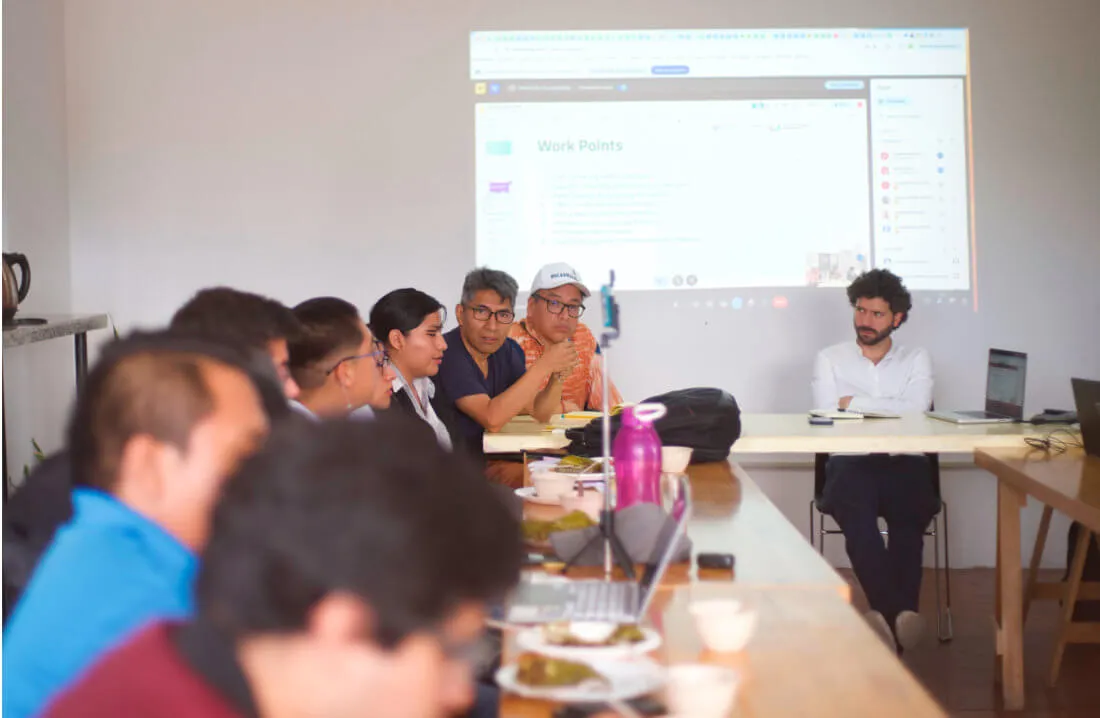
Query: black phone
x,y
821,421
716,561
645,705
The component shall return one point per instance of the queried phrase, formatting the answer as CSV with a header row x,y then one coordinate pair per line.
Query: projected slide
x,y
707,159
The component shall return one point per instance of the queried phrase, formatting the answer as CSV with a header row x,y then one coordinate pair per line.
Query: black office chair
x,y
944,629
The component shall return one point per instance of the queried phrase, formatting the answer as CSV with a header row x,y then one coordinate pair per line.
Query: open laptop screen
x,y
1004,389
1086,394
668,538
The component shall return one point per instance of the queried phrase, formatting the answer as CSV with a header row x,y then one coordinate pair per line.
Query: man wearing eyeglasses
x,y
485,373
340,368
553,317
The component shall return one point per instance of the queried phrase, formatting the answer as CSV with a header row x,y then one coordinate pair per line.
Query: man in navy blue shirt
x,y
483,371
161,423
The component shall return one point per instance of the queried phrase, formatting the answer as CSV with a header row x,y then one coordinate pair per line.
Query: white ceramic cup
x,y
675,459
701,690
725,625
591,503
552,485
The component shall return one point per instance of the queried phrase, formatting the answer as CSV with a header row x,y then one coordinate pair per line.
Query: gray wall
x,y
38,380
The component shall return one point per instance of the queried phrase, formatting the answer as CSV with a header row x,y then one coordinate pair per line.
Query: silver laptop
x,y
536,601
1004,392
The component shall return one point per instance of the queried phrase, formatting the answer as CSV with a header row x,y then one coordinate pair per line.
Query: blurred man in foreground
x,y
343,578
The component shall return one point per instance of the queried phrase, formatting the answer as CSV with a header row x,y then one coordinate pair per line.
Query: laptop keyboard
x,y
605,601
980,415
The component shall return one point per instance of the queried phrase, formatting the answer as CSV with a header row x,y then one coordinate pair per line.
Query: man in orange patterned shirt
x,y
553,316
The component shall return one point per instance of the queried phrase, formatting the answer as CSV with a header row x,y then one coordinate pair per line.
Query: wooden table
x,y
812,653
733,515
1069,483
792,433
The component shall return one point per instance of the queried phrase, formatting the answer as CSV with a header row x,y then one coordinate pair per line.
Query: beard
x,y
868,337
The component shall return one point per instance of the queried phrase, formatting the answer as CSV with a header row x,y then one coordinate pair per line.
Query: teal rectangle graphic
x,y
498,147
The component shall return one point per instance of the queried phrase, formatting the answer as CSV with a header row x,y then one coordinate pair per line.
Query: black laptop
x,y
1086,394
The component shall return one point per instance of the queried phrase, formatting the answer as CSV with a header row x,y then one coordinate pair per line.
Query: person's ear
x,y
345,374
898,318
146,470
396,339
458,313
340,617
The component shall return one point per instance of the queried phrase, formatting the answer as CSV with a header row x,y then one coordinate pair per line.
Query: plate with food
x,y
537,533
589,640
573,464
534,675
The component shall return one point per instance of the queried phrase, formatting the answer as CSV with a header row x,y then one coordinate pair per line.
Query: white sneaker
x,y
909,626
882,628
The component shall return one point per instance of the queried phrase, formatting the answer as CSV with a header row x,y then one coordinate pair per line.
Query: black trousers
x,y
860,489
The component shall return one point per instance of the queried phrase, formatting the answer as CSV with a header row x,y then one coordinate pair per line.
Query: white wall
x,y
298,148
38,379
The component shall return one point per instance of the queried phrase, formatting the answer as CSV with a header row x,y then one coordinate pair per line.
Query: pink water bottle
x,y
637,453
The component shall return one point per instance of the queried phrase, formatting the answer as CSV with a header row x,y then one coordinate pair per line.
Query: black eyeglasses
x,y
555,307
382,356
482,313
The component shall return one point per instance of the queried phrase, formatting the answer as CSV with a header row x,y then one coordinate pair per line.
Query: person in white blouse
x,y
340,368
877,373
410,324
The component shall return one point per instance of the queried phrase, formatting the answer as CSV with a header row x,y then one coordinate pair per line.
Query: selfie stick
x,y
613,549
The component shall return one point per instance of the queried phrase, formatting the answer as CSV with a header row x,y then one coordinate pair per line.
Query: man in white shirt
x,y
877,373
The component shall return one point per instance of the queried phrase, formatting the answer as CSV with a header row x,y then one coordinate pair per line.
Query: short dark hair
x,y
484,278
147,383
247,318
329,325
403,310
882,284
375,509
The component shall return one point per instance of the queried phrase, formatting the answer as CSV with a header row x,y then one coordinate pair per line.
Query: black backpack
x,y
706,419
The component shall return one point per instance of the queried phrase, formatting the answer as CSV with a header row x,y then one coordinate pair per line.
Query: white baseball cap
x,y
557,275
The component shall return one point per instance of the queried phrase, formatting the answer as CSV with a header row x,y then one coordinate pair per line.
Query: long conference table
x,y
813,654
793,434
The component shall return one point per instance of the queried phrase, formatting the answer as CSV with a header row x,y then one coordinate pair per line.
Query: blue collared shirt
x,y
460,376
108,572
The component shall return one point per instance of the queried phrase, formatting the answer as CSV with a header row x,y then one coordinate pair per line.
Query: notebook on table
x,y
841,414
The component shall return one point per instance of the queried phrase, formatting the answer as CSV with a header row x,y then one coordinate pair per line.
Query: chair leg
x,y
821,529
1036,558
948,628
1076,570
936,572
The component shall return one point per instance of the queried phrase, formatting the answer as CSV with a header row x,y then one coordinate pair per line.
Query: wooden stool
x,y
1068,592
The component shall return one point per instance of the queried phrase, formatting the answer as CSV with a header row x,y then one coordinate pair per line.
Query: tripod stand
x,y
613,549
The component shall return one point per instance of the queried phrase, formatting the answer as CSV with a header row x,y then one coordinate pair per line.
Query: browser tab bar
x,y
810,52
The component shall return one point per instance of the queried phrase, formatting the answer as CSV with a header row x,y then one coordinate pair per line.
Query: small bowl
x,y
552,485
725,625
591,503
675,459
701,690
